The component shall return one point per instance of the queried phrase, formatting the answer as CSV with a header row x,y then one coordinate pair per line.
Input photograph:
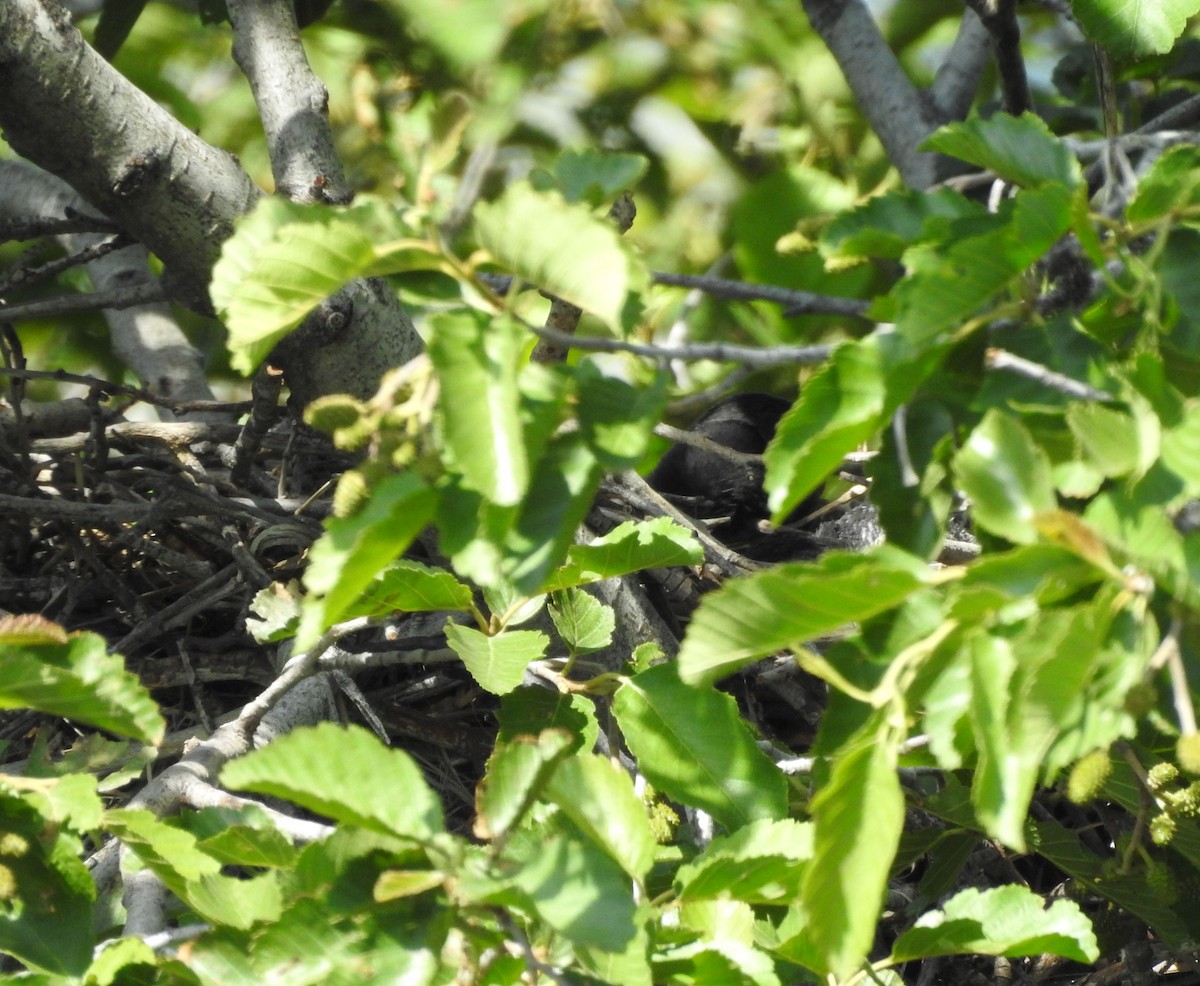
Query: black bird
x,y
712,488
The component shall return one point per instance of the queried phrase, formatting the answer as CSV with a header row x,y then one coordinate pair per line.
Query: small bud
x,y
1088,777
1161,775
1162,829
350,494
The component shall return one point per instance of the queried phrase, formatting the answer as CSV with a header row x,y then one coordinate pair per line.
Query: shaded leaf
x,y
1133,29
517,772
692,744
1020,149
630,547
584,622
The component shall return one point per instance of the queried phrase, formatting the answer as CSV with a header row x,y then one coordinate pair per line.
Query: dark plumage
x,y
710,487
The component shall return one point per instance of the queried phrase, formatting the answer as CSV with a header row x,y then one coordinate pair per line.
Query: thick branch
x,y
67,110
957,80
292,102
898,112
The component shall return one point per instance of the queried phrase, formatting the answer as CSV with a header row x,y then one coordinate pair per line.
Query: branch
x,y
897,111
70,112
719,351
291,101
68,304
1000,19
957,80
145,336
797,302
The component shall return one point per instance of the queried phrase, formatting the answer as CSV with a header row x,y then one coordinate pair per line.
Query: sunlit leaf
x,y
497,663
74,676
692,744
343,773
1009,920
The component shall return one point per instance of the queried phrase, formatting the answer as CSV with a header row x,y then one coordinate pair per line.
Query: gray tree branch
x,y
70,112
292,102
899,113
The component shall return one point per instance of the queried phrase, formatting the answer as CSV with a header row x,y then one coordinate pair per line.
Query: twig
x,y
796,302
125,390
721,352
68,304
25,277
264,410
999,359
39,226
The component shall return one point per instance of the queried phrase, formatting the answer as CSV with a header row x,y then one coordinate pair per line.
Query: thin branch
x,y
1000,19
796,302
39,226
292,102
28,277
69,304
719,351
124,390
999,359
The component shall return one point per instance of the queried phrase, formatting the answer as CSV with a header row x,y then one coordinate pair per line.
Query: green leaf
x,y
597,177
1134,29
411,587
692,744
630,547
467,33
528,710
1006,476
47,892
1010,920
281,262
790,604
584,622
564,482
476,357
1170,186
579,891
886,225
858,818
840,408
760,863
598,798
561,248
617,419
1020,149
352,552
346,774
517,773
276,610
1111,439
73,676
949,282
497,663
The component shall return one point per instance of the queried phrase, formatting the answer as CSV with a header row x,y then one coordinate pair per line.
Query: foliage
x,y
1064,422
